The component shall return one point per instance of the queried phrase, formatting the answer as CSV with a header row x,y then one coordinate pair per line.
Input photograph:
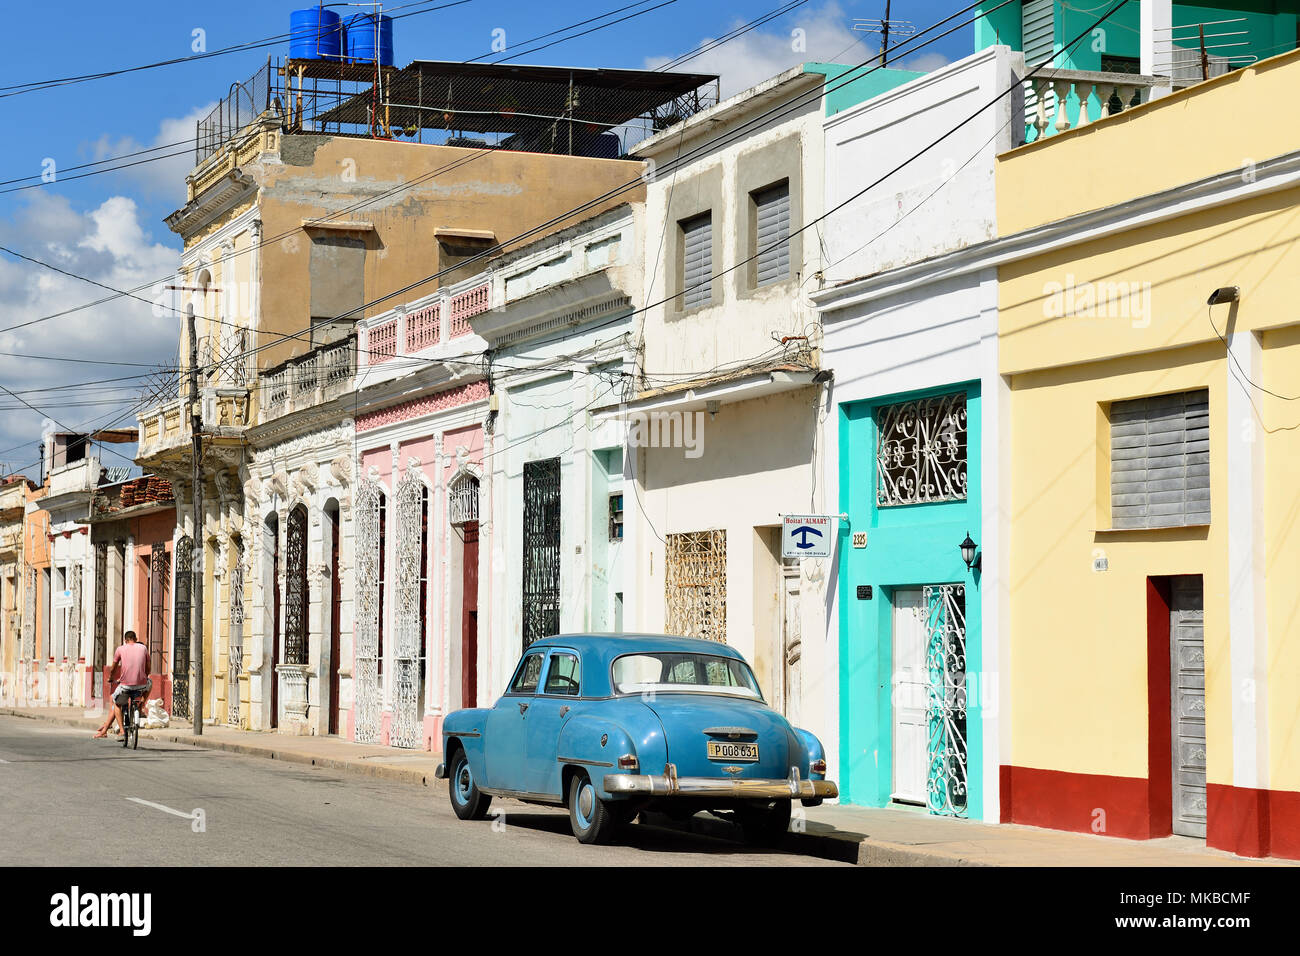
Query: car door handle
x,y
522,708
564,710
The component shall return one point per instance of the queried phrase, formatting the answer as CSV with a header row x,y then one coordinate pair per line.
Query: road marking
x,y
3,761
158,806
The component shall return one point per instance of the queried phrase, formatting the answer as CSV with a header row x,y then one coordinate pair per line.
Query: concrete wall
x,y
503,192
939,202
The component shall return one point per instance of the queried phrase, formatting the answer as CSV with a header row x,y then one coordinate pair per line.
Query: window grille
x,y
921,451
695,586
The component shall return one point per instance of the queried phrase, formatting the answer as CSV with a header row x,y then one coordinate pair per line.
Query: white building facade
x,y
916,440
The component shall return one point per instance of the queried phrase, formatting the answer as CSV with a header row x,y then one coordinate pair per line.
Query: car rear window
x,y
668,671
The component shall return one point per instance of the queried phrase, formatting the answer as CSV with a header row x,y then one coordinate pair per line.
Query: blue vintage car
x,y
611,725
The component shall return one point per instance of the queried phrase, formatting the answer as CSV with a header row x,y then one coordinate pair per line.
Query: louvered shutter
x,y
1038,40
773,207
1036,29
1160,461
697,261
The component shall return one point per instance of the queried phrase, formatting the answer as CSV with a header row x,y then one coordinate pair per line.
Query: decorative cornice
x,y
212,202
425,405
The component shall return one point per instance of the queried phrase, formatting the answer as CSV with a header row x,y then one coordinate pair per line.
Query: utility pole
x,y
884,36
196,563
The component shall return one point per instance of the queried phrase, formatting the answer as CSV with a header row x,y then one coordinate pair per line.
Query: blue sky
x,y
109,227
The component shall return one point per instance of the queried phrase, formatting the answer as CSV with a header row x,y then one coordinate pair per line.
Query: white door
x,y
791,646
911,688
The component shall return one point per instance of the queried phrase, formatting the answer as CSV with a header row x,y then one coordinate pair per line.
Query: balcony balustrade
x,y
321,375
1058,100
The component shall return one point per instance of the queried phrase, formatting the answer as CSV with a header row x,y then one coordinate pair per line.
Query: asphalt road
x,y
66,799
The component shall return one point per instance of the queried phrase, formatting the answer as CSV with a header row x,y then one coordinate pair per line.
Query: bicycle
x,y
131,719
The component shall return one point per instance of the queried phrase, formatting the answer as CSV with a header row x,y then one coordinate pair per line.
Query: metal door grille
x,y
235,656
73,644
295,587
159,584
695,584
921,451
367,613
99,657
29,616
409,501
541,590
181,632
946,711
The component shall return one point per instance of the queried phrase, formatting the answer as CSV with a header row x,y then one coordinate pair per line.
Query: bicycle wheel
x,y
126,729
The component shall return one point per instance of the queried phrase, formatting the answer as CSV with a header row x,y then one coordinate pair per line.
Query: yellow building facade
x,y
1149,332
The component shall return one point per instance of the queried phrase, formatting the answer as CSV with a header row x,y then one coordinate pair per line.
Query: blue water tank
x,y
315,34
368,34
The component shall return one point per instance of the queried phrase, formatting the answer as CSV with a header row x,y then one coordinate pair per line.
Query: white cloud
x,y
171,159
109,245
827,37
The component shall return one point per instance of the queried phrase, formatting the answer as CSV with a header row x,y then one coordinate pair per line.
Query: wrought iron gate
x,y
409,500
541,589
946,666
29,616
367,612
295,587
72,645
181,630
99,656
235,655
160,569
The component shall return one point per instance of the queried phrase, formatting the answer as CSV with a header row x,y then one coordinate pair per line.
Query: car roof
x,y
601,649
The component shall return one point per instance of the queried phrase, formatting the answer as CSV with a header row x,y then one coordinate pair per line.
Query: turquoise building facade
x,y
909,548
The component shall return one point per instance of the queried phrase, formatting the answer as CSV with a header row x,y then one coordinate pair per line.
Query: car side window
x,y
530,671
563,677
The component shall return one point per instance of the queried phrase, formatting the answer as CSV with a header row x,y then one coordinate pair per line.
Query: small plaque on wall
x,y
864,592
859,539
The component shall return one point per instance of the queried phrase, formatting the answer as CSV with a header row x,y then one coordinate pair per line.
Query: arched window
x,y
462,499
295,587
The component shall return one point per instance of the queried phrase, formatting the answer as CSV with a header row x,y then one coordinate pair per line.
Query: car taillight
x,y
629,762
817,766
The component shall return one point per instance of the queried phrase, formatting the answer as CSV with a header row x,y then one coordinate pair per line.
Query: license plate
x,y
729,750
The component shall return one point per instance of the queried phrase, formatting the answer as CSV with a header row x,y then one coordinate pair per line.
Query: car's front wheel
x,y
765,824
590,817
468,802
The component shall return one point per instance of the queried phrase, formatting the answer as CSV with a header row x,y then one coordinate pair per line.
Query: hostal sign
x,y
807,536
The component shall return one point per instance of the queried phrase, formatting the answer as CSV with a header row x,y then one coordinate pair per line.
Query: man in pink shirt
x,y
131,660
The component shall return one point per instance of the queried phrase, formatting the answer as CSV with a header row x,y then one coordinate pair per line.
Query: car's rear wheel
x,y
592,819
765,824
467,801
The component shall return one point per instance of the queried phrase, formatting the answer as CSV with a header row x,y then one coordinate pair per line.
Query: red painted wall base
x,y
1240,820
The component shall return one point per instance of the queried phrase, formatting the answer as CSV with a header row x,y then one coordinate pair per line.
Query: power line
x,y
36,85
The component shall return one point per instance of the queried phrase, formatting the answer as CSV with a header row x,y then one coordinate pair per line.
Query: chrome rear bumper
x,y
669,784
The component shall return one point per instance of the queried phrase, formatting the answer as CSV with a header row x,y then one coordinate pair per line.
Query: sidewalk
x,y
862,835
